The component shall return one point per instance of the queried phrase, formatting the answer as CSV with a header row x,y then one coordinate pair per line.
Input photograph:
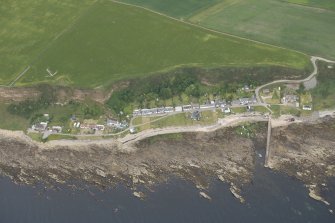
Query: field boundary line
x,y
307,6
11,84
207,29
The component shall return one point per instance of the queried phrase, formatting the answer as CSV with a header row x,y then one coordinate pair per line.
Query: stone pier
x,y
268,140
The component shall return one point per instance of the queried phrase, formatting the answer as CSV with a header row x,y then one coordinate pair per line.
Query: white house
x,y
307,107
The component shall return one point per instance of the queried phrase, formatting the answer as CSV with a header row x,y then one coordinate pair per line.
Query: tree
x,y
165,93
301,88
193,90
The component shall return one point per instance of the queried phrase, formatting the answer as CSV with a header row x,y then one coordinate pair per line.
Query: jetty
x,y
268,142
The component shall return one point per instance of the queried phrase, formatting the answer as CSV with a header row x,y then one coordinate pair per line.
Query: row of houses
x,y
245,101
290,99
152,111
112,123
183,108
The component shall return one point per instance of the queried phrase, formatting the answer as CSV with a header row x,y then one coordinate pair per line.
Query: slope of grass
x,y
11,122
114,42
27,27
174,8
307,29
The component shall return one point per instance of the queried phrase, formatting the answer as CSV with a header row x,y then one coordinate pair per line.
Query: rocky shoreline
x,y
304,151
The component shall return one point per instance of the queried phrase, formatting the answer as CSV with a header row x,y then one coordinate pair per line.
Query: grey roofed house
x,y
132,130
178,108
195,106
57,129
160,110
42,126
187,107
207,106
244,101
168,109
307,107
137,112
73,118
290,98
220,103
196,115
226,110
253,99
112,122
99,127
149,111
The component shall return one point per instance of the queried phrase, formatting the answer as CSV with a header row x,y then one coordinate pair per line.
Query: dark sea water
x,y
272,197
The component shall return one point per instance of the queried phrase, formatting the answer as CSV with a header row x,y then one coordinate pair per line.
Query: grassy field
x,y
28,27
182,119
114,42
175,8
307,29
288,110
261,109
324,4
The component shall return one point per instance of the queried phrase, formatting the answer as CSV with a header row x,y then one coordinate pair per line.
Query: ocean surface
x,y
272,197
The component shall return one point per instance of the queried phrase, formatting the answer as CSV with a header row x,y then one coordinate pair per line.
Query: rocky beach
x,y
304,151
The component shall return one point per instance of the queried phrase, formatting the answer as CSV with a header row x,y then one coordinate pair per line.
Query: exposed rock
x,y
307,152
139,194
223,153
204,195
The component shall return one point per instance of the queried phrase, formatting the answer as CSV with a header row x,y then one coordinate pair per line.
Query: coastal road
x,y
225,122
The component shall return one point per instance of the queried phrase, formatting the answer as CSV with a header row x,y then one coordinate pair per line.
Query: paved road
x,y
313,74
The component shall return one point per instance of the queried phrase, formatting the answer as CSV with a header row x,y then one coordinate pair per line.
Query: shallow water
x,y
272,197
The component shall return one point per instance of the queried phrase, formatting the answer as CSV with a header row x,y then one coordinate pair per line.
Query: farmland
x,y
28,27
323,4
175,8
114,42
307,29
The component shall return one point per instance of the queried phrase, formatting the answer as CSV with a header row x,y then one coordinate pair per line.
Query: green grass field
x,y
324,4
307,29
175,8
182,119
115,42
28,27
